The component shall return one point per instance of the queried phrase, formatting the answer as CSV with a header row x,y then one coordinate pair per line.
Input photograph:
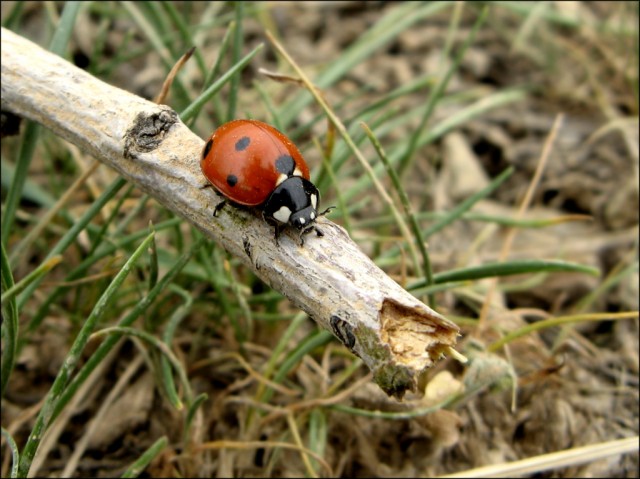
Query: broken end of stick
x,y
413,338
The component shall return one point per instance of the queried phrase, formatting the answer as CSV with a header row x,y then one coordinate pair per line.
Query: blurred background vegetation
x,y
213,373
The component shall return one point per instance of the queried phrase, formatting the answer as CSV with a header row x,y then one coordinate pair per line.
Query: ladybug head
x,y
294,202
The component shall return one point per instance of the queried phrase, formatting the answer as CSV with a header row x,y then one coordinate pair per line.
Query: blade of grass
x,y
179,21
457,212
10,324
474,110
36,231
342,206
508,268
135,313
191,413
135,469
25,154
467,204
557,321
153,260
32,191
161,347
204,97
175,319
411,218
437,93
345,135
154,33
65,27
54,394
314,340
71,235
236,52
224,45
36,274
389,26
15,453
318,436
108,249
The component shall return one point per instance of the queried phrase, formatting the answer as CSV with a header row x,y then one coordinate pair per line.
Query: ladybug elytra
x,y
253,164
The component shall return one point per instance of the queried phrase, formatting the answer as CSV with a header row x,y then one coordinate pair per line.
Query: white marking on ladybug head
x,y
297,172
312,215
283,214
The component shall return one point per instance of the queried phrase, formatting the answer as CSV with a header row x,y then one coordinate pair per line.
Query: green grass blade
x,y
510,268
205,96
108,344
467,113
107,249
53,397
15,454
36,274
185,32
65,27
178,315
437,94
193,408
151,26
10,324
135,469
411,217
27,147
237,50
161,347
467,204
74,231
551,322
383,32
32,191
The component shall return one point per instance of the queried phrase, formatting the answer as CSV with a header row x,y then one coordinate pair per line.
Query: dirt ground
x,y
556,389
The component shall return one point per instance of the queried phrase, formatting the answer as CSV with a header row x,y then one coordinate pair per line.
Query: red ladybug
x,y
253,164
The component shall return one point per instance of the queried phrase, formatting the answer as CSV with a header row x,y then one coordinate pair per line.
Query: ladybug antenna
x,y
325,212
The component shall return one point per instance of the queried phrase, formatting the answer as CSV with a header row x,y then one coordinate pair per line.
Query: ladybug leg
x,y
219,207
276,233
307,231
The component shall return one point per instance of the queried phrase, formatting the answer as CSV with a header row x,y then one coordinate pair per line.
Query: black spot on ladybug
x,y
242,143
207,148
343,331
232,180
285,165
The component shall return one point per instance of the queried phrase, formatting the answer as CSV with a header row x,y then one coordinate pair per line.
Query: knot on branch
x,y
148,131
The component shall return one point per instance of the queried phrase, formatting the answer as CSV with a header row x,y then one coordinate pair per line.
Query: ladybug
x,y
253,164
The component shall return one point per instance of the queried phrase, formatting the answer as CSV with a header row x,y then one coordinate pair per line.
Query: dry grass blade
x,y
554,460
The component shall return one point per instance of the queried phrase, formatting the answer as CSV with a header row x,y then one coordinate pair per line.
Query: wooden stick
x,y
397,336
